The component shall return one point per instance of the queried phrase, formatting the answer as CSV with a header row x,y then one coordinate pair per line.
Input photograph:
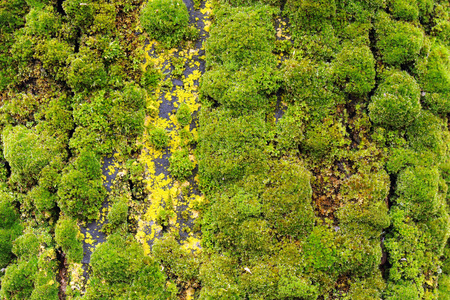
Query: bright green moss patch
x,y
354,70
68,237
166,21
120,269
396,101
184,116
230,152
399,42
158,137
180,165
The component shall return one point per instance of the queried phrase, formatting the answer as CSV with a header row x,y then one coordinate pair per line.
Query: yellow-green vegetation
x,y
166,21
224,149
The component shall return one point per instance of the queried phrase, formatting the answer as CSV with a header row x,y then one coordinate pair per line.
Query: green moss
x,y
309,81
68,236
120,270
184,116
320,253
180,164
354,70
81,191
290,129
158,137
427,134
86,72
54,54
118,213
405,10
240,37
117,260
43,21
26,153
324,138
444,287
26,246
417,189
80,15
18,281
179,262
396,101
230,147
310,14
398,42
286,199
166,21
434,76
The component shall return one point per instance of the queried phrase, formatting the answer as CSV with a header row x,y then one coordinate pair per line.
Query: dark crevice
x,y
59,7
77,41
69,151
8,168
62,276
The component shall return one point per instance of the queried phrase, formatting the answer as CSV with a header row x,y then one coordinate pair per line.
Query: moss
x,y
396,101
290,129
67,236
399,42
184,116
120,270
354,70
286,199
33,156
178,262
246,34
309,81
320,253
229,152
158,138
405,10
80,195
324,138
417,189
18,281
434,73
118,212
310,14
80,15
426,134
86,72
26,246
180,165
444,287
166,21
117,260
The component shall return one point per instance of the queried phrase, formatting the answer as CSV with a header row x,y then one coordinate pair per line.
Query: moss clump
x,y
184,116
354,70
120,270
118,212
158,137
434,76
396,101
399,42
68,236
166,21
180,165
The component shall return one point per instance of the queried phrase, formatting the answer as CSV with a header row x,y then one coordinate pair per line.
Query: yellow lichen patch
x,y
88,239
166,199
